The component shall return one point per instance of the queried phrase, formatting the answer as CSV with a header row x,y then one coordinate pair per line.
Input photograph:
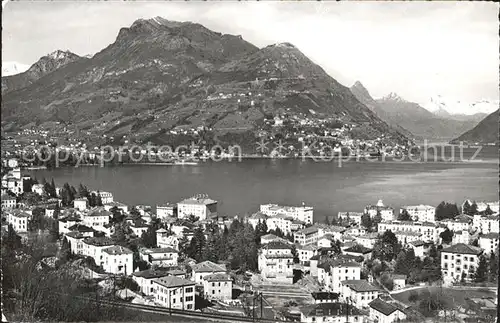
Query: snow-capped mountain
x,y
13,68
446,107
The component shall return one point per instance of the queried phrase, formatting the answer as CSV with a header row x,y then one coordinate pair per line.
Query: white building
x,y
145,279
97,218
139,228
38,189
166,240
430,231
106,197
118,260
93,247
383,312
305,253
81,203
487,223
482,206
18,220
199,206
164,211
307,236
461,236
489,242
278,221
386,212
332,272
359,292
332,312
164,257
421,213
8,202
205,268
174,292
367,240
405,237
276,262
120,206
459,223
301,213
218,287
67,222
351,216
420,248
457,260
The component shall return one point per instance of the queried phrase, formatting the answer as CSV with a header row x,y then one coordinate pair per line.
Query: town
x,y
373,264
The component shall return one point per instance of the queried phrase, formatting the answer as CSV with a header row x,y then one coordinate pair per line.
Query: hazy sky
x,y
417,50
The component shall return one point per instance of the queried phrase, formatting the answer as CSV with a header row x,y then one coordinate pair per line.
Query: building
x,y
200,206
421,213
81,204
276,262
301,213
67,222
218,287
163,257
18,220
93,247
460,223
333,271
271,237
462,236
459,261
278,221
486,223
307,236
118,205
166,240
420,248
331,312
106,197
405,237
139,227
145,279
118,260
97,218
367,240
482,206
167,210
386,212
353,217
326,241
38,189
399,281
325,297
305,253
205,268
8,202
383,312
174,292
489,242
359,292
430,231
359,251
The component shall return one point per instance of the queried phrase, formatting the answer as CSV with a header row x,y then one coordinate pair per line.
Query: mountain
x,y
13,68
160,75
44,66
362,94
419,121
484,133
459,110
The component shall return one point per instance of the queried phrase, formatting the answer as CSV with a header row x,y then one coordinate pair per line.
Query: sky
x,y
416,49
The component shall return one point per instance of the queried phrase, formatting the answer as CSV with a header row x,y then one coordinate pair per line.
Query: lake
x,y
240,187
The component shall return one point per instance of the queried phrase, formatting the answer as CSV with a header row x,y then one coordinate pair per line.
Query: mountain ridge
x,y
485,132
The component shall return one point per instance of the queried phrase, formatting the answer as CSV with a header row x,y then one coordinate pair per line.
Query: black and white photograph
x,y
250,161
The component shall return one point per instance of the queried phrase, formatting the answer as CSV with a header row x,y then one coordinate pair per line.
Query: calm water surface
x,y
240,187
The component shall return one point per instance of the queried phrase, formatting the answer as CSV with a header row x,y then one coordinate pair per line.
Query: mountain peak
x,y
393,97
60,54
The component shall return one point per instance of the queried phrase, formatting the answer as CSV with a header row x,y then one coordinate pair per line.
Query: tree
x,y
493,267
482,270
98,199
466,207
134,212
404,216
327,221
447,236
377,218
488,211
65,252
366,221
148,238
387,281
120,235
295,254
405,262
386,247
197,244
473,209
38,221
446,211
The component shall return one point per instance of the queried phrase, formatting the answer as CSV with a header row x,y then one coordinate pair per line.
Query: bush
x,y
387,281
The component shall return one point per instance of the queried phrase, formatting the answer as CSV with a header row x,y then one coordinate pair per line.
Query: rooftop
x,y
383,307
217,277
408,233
360,286
276,244
198,200
418,243
358,249
491,235
310,230
463,248
173,281
117,250
325,295
208,266
80,228
158,250
151,273
99,241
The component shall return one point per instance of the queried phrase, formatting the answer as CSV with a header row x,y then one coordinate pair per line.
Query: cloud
x,y
417,49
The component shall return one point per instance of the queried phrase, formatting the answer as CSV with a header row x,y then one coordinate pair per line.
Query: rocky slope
x,y
161,75
44,66
485,132
419,121
362,94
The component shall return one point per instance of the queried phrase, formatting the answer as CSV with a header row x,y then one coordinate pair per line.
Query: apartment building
x,y
8,202
200,206
331,272
118,260
205,268
218,287
489,242
174,292
458,260
421,213
19,220
106,197
275,262
163,257
386,212
359,292
301,213
430,231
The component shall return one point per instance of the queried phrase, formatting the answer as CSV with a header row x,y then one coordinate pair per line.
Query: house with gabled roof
x,y
275,262
174,292
459,260
359,292
163,257
383,312
331,312
205,268
218,286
